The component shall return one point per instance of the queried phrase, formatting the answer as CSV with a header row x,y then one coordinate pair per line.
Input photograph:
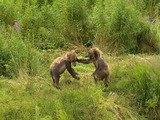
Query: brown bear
x,y
101,72
60,64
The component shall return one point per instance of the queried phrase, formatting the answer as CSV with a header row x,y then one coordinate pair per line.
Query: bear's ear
x,y
69,56
96,53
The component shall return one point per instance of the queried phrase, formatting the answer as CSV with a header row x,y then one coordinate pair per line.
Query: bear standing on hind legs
x,y
60,64
101,72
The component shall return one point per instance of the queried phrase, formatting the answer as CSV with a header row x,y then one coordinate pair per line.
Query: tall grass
x,y
118,25
141,80
133,92
17,54
36,99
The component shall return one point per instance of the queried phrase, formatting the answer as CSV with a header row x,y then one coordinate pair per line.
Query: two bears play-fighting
x,y
60,64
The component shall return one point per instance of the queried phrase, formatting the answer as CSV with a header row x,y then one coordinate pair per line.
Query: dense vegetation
x,y
34,32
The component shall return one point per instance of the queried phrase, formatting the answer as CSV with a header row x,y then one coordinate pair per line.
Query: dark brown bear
x,y
101,72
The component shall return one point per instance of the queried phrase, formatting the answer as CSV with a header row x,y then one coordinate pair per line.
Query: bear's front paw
x,y
77,77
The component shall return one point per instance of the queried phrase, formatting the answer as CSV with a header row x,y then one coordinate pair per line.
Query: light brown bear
x,y
60,64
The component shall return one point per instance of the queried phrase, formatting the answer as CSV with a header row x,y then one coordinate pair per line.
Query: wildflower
x,y
16,26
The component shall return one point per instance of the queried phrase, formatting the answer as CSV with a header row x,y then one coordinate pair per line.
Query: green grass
x,y
26,91
34,98
61,24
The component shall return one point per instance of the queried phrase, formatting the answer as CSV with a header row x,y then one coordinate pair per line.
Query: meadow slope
x,y
133,94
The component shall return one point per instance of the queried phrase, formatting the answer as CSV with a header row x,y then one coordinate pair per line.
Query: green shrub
x,y
113,21
7,13
5,56
17,54
119,25
147,7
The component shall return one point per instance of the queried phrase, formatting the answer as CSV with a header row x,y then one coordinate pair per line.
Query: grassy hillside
x,y
35,32
133,94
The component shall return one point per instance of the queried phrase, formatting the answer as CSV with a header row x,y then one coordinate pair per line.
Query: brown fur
x,y
60,64
70,56
101,72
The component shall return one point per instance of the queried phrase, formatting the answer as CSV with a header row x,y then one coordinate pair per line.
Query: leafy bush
x,y
7,13
118,25
17,54
5,56
114,25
